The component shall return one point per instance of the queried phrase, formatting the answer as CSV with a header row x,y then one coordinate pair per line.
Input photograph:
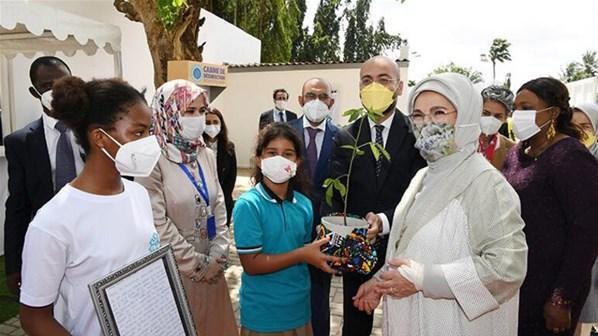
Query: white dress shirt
x,y
319,135
277,115
52,135
386,123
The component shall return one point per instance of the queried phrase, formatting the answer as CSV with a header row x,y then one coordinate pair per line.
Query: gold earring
x,y
551,131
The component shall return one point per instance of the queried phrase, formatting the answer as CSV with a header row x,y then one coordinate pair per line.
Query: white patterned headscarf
x,y
170,101
449,176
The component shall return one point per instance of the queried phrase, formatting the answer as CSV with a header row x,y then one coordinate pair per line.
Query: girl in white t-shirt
x,y
100,221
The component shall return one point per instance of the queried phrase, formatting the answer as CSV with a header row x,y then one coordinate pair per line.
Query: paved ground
x,y
233,277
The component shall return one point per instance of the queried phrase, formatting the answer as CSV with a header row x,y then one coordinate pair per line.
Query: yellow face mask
x,y
376,97
588,139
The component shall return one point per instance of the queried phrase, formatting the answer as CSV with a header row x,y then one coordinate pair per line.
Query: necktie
x,y
281,116
312,150
380,141
65,161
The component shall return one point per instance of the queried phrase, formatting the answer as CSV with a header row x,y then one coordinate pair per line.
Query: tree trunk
x,y
179,42
493,72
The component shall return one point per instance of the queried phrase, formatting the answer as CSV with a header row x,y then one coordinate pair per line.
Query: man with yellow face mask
x,y
376,186
586,117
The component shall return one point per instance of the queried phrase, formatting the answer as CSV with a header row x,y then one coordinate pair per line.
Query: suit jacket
x,y
367,192
29,185
226,161
323,165
267,117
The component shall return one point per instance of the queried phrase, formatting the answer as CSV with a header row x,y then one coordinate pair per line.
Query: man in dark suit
x,y
376,186
42,157
319,136
279,113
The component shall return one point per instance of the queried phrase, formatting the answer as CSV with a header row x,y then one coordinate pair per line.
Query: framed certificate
x,y
145,298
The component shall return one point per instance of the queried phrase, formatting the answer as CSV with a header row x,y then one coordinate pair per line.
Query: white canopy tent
x,y
29,28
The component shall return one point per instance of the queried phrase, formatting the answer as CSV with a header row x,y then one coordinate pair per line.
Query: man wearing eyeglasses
x,y
318,134
376,186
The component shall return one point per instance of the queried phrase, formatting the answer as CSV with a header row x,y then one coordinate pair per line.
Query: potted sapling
x,y
348,234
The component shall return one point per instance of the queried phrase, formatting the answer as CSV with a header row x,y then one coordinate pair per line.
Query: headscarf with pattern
x,y
501,95
170,102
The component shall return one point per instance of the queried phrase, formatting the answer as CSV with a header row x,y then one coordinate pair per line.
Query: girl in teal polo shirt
x,y
272,225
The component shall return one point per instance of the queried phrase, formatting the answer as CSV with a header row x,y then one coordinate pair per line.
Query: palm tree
x,y
575,71
473,75
499,52
589,62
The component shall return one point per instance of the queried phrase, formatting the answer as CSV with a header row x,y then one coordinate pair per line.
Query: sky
x,y
545,35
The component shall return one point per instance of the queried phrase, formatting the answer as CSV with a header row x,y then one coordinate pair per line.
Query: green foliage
x,y
300,41
323,43
473,75
169,11
279,25
9,304
275,22
333,184
362,41
587,68
499,52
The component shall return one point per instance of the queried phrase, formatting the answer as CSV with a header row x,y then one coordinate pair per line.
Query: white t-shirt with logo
x,y
78,238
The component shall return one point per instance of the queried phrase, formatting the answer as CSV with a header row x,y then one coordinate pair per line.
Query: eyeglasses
x,y
312,96
437,116
382,81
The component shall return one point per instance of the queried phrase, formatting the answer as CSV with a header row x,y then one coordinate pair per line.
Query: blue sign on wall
x,y
196,73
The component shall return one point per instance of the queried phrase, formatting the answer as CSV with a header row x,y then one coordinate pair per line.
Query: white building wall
x,y
583,91
136,59
227,43
249,93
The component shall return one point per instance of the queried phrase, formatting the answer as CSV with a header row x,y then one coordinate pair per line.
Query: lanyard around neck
x,y
202,188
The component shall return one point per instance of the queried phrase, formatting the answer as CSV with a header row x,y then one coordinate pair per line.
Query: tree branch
x,y
128,9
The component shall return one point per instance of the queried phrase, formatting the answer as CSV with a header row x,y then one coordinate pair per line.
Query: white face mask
x,y
524,124
490,125
281,105
46,98
136,158
212,130
192,127
278,169
316,111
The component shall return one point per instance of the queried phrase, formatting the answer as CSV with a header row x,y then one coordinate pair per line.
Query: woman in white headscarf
x,y
456,253
586,116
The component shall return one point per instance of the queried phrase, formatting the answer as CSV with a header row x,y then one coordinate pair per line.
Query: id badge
x,y
211,227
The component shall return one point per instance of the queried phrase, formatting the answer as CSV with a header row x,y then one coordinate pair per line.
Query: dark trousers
x,y
320,301
356,322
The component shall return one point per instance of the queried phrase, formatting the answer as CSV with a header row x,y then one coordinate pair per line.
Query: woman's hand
x,y
557,317
312,255
393,283
367,299
215,270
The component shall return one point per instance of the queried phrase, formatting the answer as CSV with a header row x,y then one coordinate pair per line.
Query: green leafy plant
x,y
170,10
333,184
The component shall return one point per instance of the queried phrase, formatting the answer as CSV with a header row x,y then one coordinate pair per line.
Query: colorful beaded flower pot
x,y
348,242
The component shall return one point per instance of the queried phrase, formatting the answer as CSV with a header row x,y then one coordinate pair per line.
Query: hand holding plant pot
x,y
349,235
